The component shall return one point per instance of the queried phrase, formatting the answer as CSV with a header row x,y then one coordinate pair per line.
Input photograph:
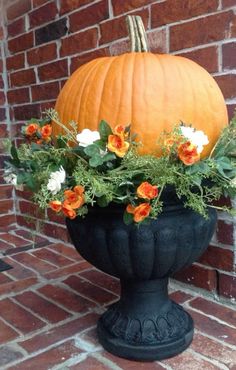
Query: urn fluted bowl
x,y
144,324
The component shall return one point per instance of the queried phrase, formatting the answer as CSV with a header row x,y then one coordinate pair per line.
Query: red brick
x,y
59,333
103,280
188,360
175,11
228,54
68,5
121,7
224,233
66,298
227,85
219,258
17,286
15,62
213,328
180,297
43,14
22,78
227,285
2,98
79,42
45,91
42,54
37,3
52,71
7,220
47,105
79,60
202,31
228,3
63,272
89,16
205,57
89,290
21,43
231,108
31,236
116,28
17,27
4,279
66,250
18,271
199,276
1,83
3,133
45,309
55,231
26,222
132,365
157,41
25,112
19,8
14,240
34,263
31,209
6,206
21,319
90,363
214,350
225,314
18,96
54,258
50,358
53,216
3,246
6,333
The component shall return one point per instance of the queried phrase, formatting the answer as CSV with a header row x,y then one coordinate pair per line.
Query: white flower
x,y
233,182
87,137
11,178
55,180
60,175
197,138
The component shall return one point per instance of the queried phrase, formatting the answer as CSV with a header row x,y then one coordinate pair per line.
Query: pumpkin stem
x,y
137,34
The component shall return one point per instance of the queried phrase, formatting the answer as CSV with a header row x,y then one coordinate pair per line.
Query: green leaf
x,y
127,218
61,142
104,130
14,154
92,150
95,161
102,201
109,157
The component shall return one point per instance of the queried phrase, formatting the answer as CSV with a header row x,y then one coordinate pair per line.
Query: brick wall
x,y
47,40
7,214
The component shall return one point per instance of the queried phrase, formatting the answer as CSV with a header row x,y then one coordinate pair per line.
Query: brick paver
x,y
50,302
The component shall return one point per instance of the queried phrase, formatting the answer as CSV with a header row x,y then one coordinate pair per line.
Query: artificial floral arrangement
x,y
71,172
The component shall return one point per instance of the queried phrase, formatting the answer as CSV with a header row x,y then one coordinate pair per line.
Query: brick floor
x,y
51,300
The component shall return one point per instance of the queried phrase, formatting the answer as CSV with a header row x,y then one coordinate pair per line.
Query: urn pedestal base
x,y
145,325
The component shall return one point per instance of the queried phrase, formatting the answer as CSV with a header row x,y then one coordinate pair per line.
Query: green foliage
x,y
107,178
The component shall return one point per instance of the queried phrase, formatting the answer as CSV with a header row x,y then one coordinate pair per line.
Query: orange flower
x,y
147,191
55,205
46,131
188,154
68,210
140,212
75,198
117,145
120,131
31,129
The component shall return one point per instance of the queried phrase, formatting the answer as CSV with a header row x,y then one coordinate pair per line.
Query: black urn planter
x,y
144,325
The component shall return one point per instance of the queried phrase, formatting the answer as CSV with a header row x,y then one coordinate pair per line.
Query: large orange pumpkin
x,y
149,91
